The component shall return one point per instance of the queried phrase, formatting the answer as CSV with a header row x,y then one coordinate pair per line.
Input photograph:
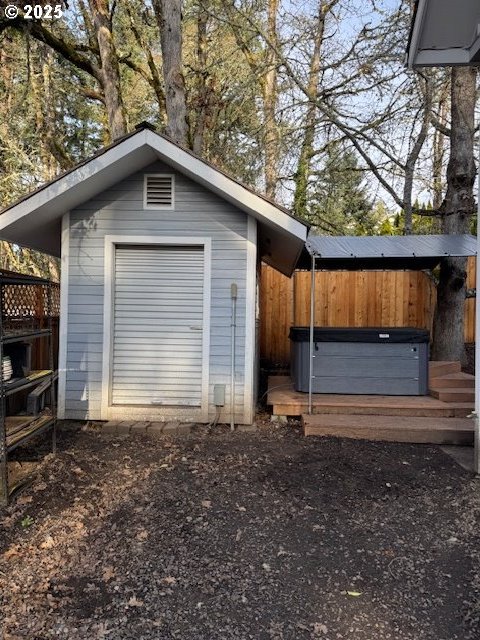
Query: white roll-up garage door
x,y
158,322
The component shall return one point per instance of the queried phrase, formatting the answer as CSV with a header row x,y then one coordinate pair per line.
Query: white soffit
x,y
445,33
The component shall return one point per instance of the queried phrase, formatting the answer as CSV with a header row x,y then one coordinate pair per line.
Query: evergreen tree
x,y
339,204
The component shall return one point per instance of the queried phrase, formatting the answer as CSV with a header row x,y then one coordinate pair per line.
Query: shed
x,y
160,253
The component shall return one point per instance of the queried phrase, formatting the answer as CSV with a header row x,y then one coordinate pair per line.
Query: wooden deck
x,y
288,402
421,419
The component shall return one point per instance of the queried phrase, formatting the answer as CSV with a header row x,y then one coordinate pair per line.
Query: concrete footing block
x,y
110,428
170,428
155,428
124,427
139,427
184,429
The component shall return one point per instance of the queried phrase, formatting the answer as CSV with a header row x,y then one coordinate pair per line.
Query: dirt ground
x,y
264,535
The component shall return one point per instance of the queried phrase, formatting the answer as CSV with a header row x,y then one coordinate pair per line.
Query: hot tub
x,y
377,361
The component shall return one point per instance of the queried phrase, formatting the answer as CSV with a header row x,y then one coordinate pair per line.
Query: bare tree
x,y
264,69
307,150
269,90
102,14
418,141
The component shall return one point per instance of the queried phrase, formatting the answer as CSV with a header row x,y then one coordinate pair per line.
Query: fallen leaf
x,y
133,602
206,503
12,552
319,628
108,573
41,486
48,543
24,500
142,535
170,580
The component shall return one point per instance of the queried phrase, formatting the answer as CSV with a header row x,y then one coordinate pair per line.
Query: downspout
x,y
312,323
233,295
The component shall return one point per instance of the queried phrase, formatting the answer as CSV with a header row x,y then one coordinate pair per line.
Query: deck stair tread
x,y
453,394
461,380
443,367
426,430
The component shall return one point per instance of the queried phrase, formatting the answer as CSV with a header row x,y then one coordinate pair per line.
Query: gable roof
x,y
444,33
35,219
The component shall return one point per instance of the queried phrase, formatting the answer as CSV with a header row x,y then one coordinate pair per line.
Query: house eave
x,y
444,34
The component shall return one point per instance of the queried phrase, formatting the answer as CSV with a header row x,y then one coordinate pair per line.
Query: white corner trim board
x,y
250,323
108,411
63,329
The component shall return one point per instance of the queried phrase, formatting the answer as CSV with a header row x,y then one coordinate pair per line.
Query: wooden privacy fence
x,y
348,299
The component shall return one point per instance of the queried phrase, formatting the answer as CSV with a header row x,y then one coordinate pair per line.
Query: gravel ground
x,y
264,535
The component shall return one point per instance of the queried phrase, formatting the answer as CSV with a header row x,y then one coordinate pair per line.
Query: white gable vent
x,y
158,191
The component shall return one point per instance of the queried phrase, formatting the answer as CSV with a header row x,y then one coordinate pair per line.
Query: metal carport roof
x,y
384,252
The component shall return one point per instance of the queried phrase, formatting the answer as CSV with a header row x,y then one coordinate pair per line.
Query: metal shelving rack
x,y
26,315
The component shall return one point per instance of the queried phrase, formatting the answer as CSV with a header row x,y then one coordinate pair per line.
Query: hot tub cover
x,y
390,335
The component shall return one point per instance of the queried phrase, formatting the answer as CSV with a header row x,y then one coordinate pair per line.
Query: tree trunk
x,y
457,209
302,174
110,71
269,87
169,17
202,98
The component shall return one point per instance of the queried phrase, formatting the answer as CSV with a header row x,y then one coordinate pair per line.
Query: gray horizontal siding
x,y
118,211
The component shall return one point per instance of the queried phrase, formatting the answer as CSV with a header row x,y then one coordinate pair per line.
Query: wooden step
x,y
414,406
451,380
454,394
443,367
423,430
